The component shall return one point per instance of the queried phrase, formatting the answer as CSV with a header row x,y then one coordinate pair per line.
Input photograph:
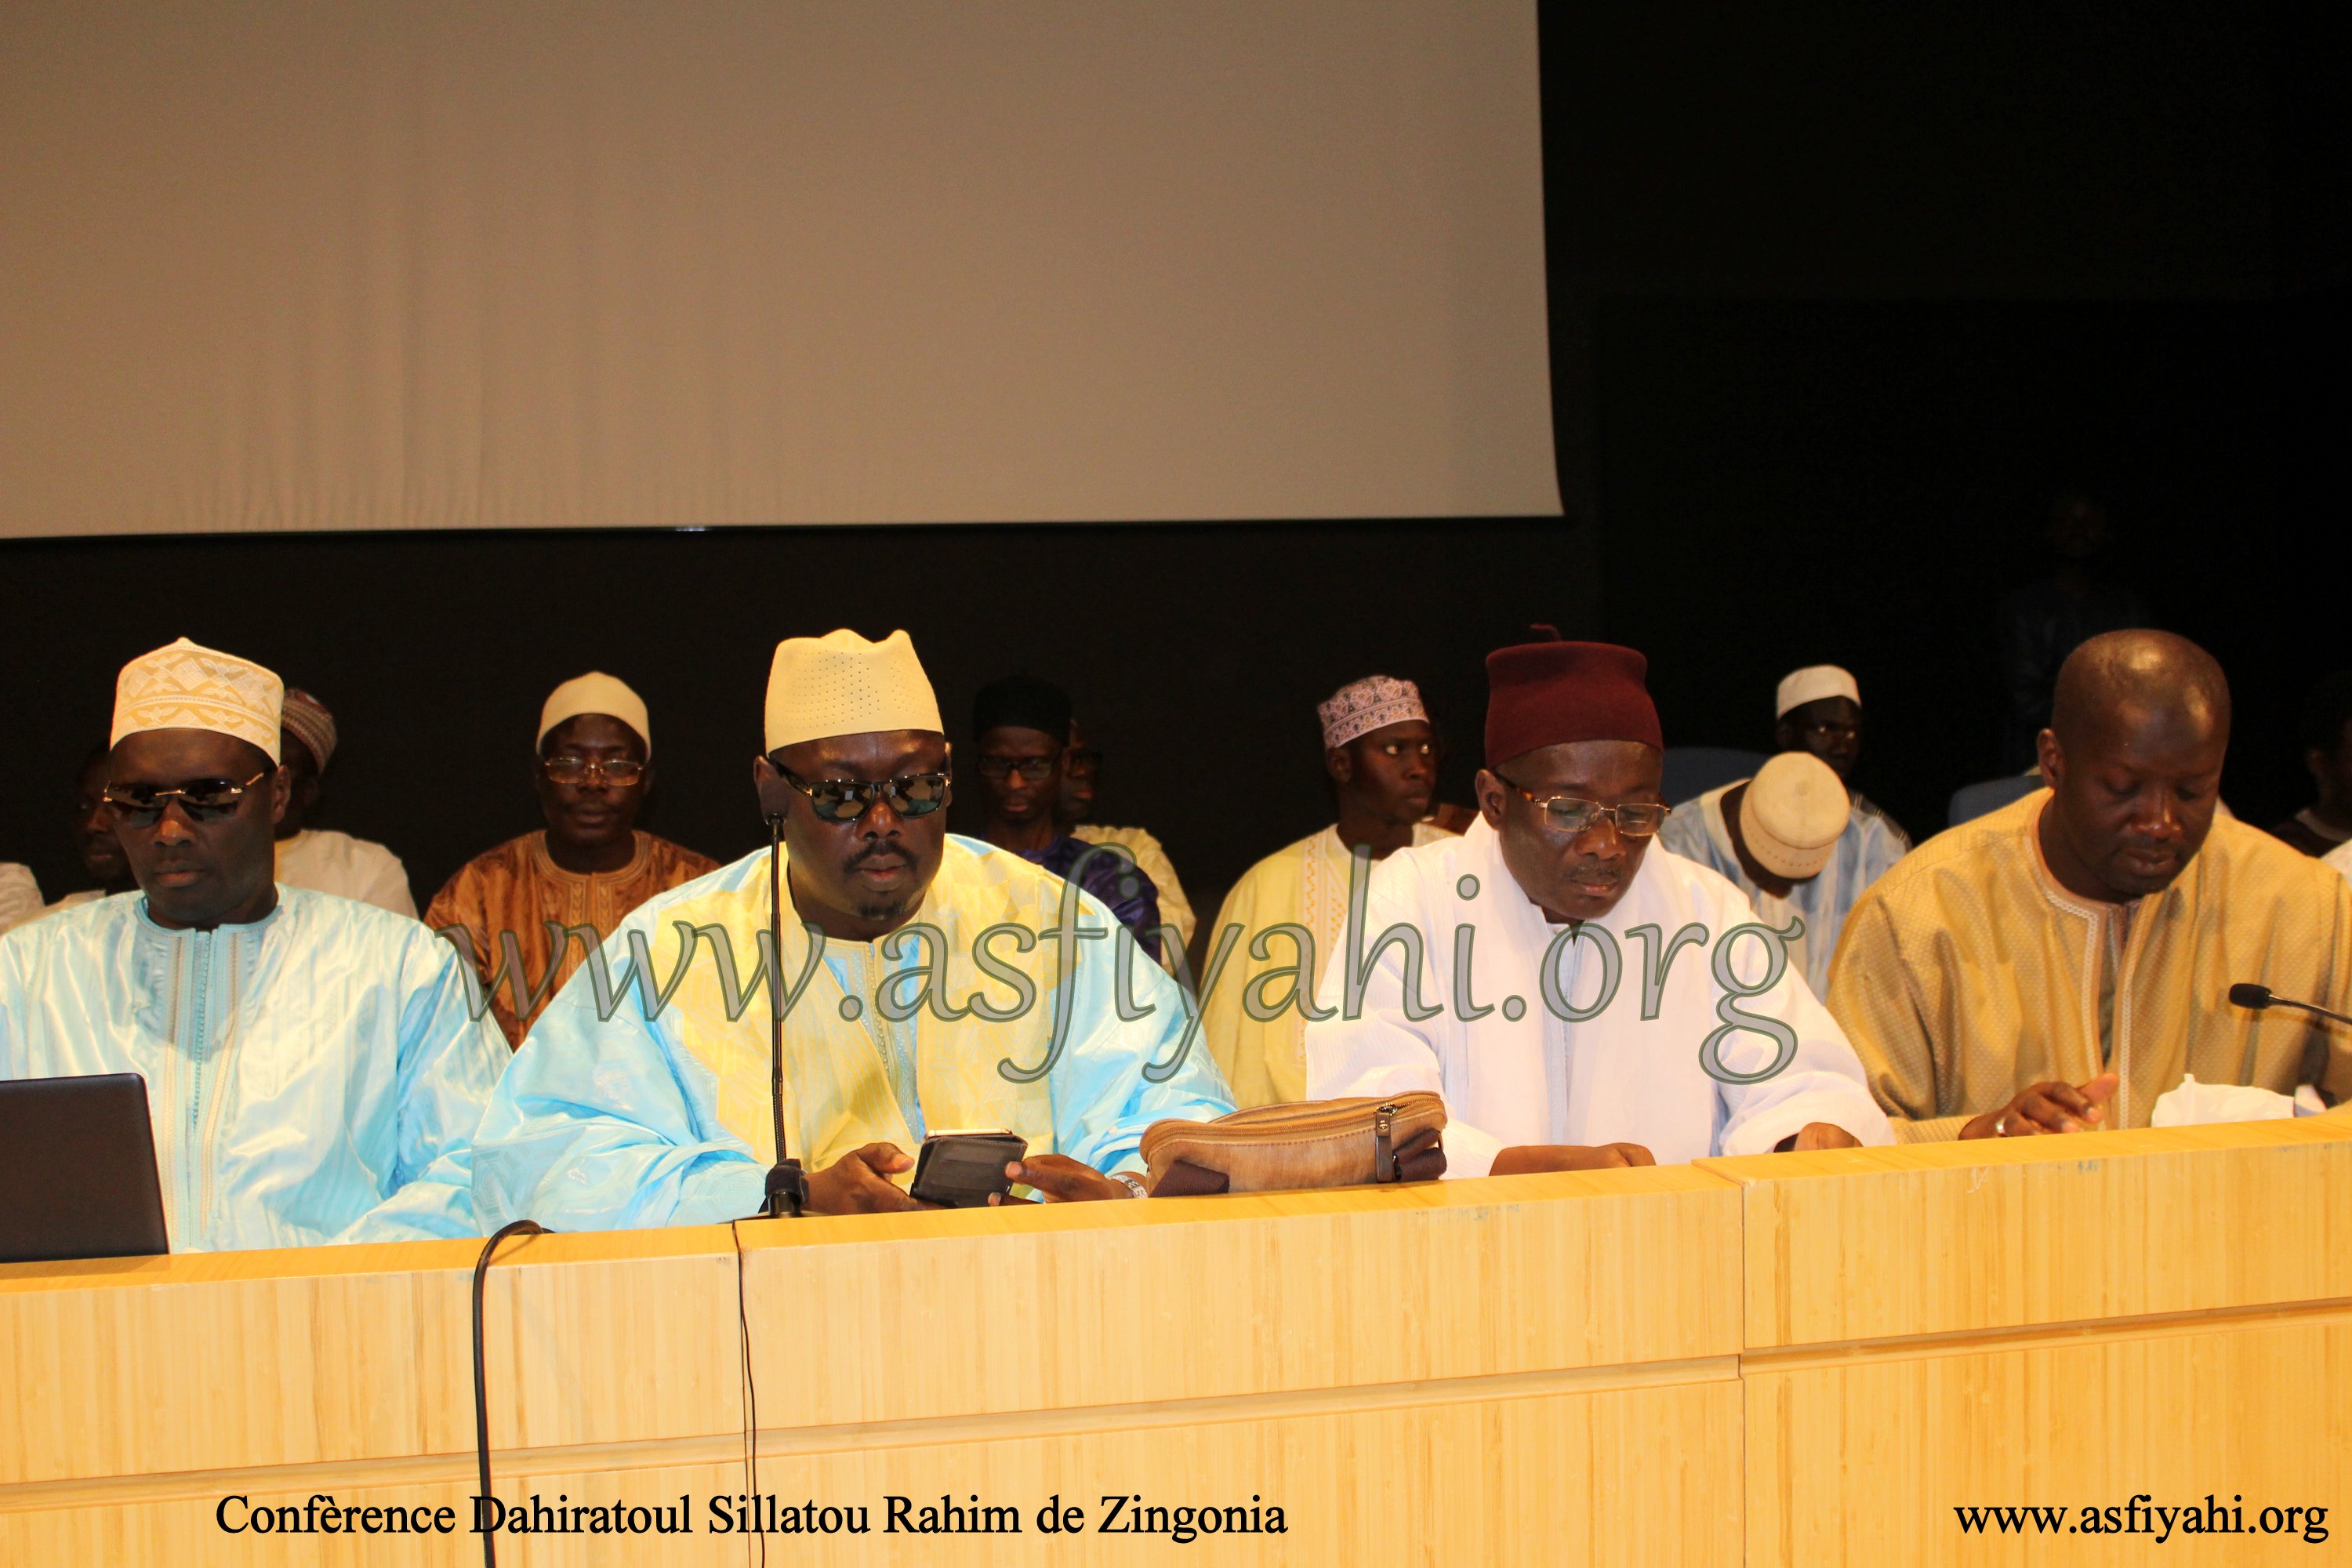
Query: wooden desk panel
x,y
1215,1297
1535,1480
1798,1358
1865,1244
2047,1320
1475,1358
1863,1459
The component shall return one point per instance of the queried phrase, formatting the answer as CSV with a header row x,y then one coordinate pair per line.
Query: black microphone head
x,y
2246,994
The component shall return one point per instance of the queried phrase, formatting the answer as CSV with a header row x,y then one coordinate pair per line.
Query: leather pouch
x,y
1284,1148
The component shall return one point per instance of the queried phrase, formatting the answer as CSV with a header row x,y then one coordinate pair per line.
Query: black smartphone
x,y
960,1169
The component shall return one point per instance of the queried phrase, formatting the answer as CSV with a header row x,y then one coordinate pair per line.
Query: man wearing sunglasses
x,y
928,982
588,867
312,1067
1579,997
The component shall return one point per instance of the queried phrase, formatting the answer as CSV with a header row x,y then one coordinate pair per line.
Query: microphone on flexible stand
x,y
787,1185
2246,994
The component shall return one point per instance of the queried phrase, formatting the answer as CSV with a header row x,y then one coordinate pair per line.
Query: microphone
x,y
787,1186
2246,994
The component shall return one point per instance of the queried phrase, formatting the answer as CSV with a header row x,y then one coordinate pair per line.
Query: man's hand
x,y
1422,1157
860,1183
2047,1107
1523,1159
1824,1135
1059,1179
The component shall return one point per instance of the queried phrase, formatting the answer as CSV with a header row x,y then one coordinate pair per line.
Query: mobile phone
x,y
958,1169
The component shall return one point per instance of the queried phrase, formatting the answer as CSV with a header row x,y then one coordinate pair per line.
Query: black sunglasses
x,y
846,800
202,799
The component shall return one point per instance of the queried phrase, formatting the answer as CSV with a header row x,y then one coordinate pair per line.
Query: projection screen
x,y
276,264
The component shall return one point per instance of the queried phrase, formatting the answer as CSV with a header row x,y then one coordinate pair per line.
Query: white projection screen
x,y
326,264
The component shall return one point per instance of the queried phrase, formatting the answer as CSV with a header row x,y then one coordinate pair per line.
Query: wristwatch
x,y
1131,1181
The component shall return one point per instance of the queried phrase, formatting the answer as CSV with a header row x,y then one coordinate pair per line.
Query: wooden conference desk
x,y
1786,1360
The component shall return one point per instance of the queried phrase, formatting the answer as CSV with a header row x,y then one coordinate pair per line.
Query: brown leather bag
x,y
1284,1148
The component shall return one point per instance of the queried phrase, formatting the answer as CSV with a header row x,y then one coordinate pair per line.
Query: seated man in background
x,y
1081,774
2057,965
2325,824
102,861
1792,841
321,859
585,869
1818,708
1530,924
1380,755
20,895
312,1067
926,982
1021,726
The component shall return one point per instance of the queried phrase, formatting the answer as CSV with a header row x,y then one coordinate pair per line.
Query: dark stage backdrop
x,y
1859,483
1195,654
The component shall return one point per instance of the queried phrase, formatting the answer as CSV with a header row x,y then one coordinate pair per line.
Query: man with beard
x,y
1593,1004
1380,755
927,981
313,1070
2057,965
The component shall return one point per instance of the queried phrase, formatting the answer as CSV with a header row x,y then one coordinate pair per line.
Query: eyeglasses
x,y
1565,814
1031,768
846,800
202,799
621,771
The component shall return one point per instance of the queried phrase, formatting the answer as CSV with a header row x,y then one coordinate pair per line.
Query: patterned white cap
x,y
185,686
306,719
841,684
1811,684
1362,706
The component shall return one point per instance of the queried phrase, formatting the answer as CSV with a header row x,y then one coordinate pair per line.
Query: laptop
x,y
77,1170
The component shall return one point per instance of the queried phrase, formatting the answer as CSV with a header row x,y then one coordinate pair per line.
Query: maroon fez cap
x,y
1548,692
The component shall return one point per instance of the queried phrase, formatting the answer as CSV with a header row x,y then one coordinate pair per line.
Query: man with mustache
x,y
313,1070
2057,965
589,866
1589,1001
1380,755
928,982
